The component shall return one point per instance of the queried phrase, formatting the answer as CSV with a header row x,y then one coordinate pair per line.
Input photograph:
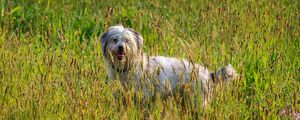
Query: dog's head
x,y
120,44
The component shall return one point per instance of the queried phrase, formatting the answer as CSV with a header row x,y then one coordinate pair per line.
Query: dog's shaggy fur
x,y
122,49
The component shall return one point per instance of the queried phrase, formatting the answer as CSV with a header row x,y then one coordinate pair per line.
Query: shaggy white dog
x,y
122,49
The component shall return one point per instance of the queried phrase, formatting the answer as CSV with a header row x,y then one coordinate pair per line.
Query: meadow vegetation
x,y
51,65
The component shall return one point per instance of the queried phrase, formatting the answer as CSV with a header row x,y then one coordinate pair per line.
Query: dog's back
x,y
170,72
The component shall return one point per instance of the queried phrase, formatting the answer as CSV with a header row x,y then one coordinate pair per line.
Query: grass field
x,y
51,65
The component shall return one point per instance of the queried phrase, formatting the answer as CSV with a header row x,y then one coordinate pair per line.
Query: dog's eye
x,y
127,40
115,40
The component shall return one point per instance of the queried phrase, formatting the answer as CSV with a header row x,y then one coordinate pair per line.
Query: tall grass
x,y
51,65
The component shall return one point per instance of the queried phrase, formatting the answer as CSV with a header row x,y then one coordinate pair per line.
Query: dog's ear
x,y
104,41
138,38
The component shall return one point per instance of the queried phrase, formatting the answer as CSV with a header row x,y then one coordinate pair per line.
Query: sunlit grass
x,y
51,65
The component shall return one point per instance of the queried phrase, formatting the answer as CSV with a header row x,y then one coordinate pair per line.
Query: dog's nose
x,y
120,48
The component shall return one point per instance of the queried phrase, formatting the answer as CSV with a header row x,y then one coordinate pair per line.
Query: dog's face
x,y
120,44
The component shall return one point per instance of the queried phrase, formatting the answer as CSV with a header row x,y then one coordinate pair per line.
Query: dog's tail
x,y
226,74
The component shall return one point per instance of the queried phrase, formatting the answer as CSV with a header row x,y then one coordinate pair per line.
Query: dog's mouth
x,y
120,55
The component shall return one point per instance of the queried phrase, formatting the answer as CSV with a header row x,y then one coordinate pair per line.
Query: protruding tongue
x,y
120,55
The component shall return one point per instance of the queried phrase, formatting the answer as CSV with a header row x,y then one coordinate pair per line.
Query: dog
x,y
125,60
